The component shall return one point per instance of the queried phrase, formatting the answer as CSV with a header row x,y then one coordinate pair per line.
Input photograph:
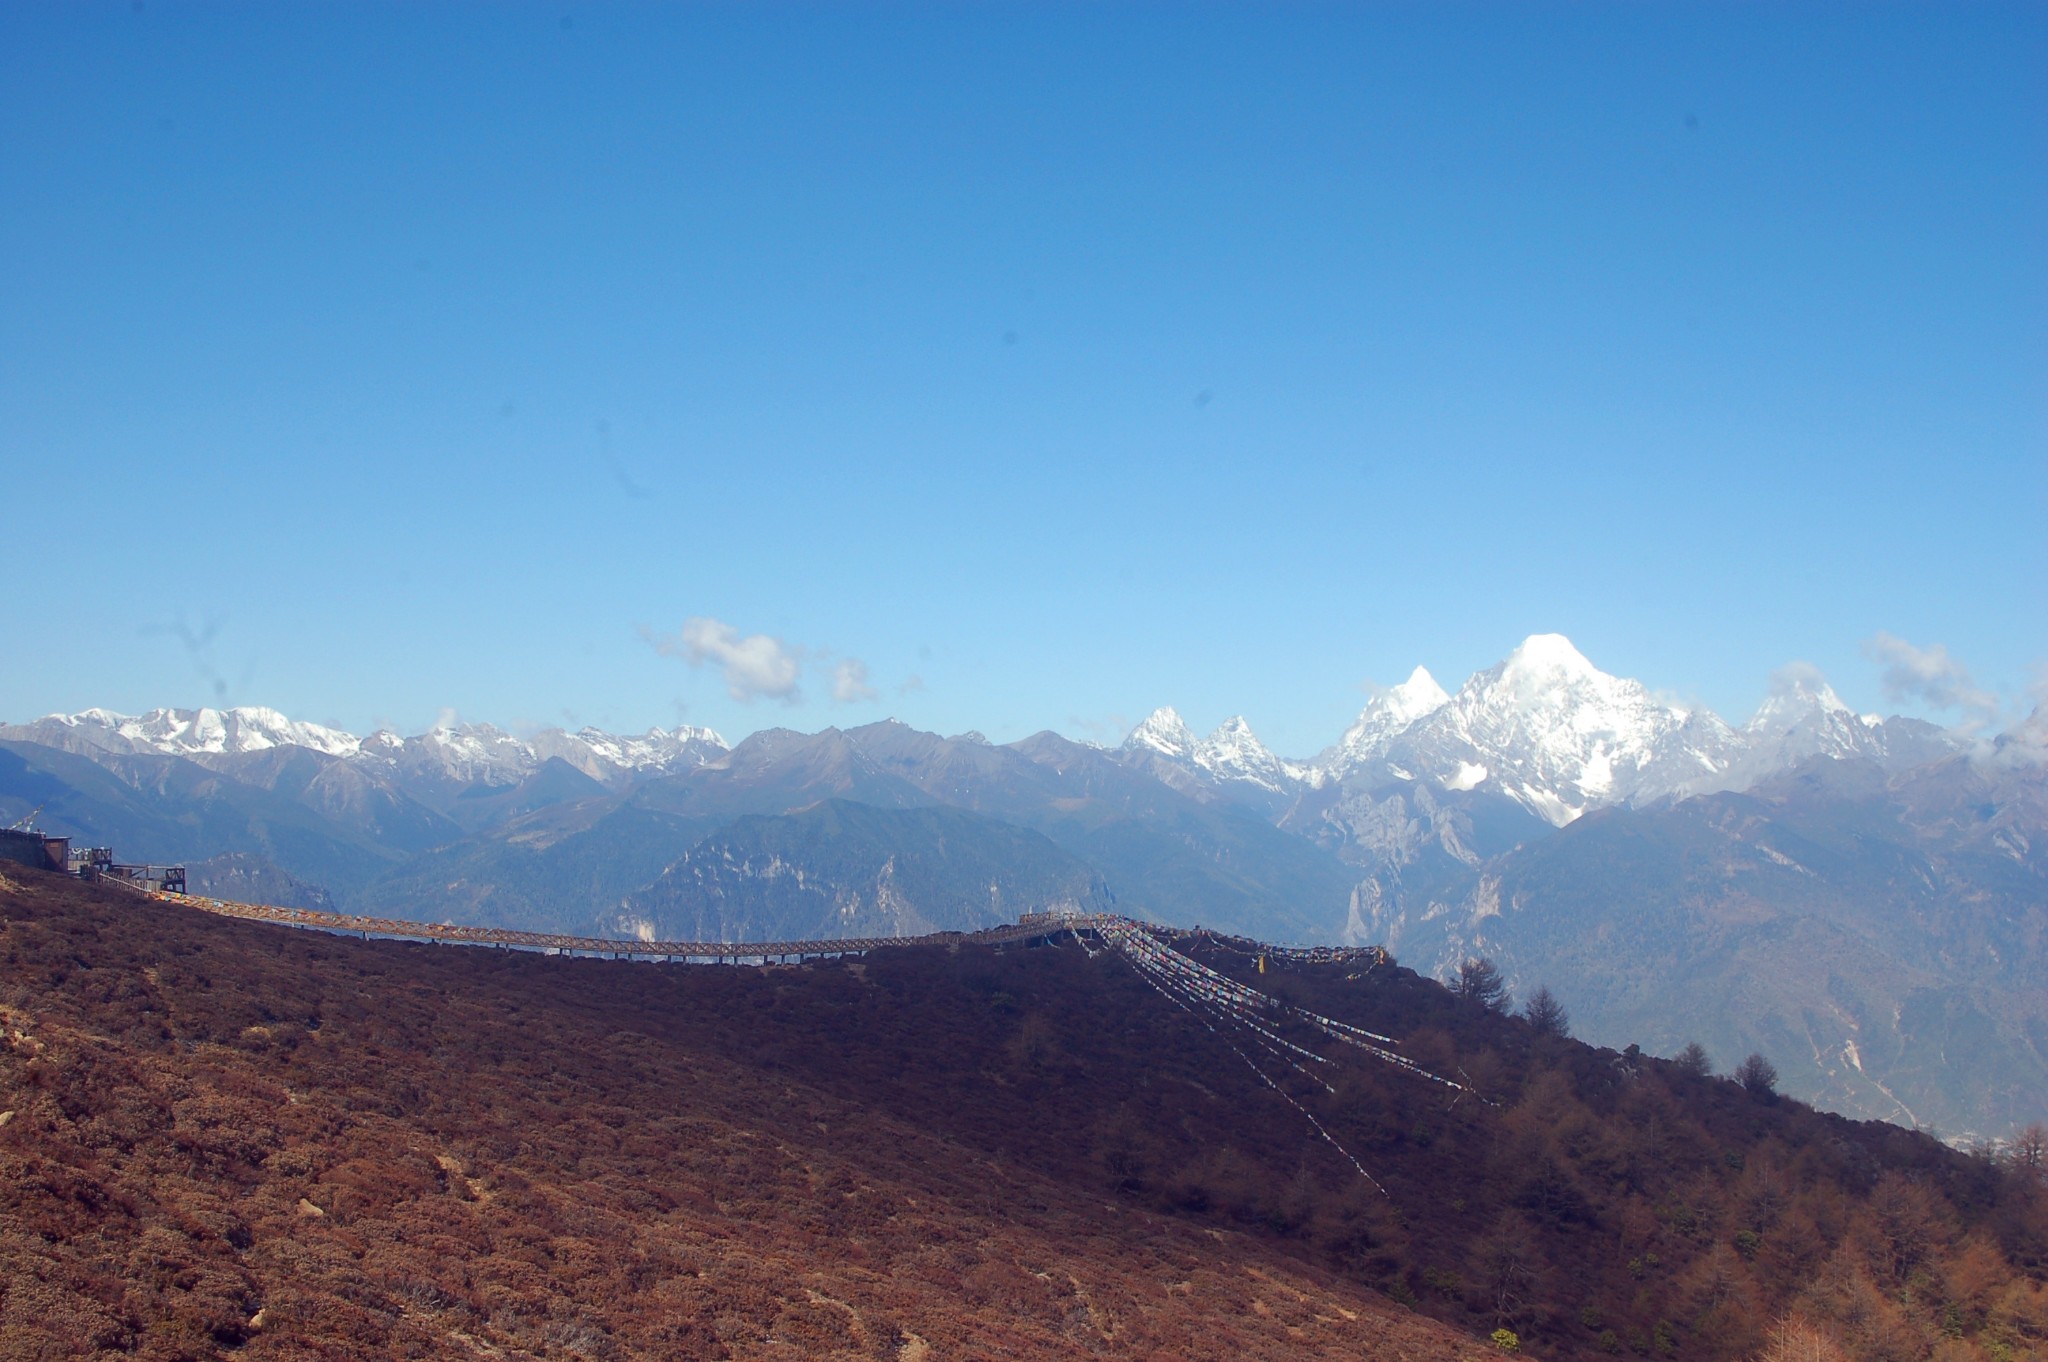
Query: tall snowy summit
x,y
1388,714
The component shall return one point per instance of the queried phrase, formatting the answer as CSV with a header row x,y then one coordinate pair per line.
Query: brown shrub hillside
x,y
232,1137
225,1139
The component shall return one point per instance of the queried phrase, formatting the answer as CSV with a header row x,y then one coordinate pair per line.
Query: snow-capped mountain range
x,y
464,754
1543,728
1550,731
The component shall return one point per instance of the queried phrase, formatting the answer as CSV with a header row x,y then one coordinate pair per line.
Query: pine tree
x,y
1545,1013
1480,981
1758,1075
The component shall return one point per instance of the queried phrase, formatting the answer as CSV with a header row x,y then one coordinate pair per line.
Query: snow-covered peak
x,y
470,754
1164,732
1388,714
1554,733
1230,755
1551,731
1546,690
484,753
88,718
1799,694
1545,658
1234,752
1802,718
1416,696
191,732
655,747
1235,729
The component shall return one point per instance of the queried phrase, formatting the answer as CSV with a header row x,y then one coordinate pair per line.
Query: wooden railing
x,y
399,929
1033,926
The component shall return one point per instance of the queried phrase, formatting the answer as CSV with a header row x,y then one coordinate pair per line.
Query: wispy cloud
x,y
1931,677
754,666
850,682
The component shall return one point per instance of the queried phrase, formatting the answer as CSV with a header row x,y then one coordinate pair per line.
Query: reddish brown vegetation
x,y
230,1136
227,1138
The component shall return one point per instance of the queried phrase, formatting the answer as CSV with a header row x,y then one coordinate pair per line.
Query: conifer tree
x,y
1544,1012
1693,1060
1758,1076
1479,980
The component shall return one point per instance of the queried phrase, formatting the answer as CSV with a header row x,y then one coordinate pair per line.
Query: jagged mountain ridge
x,y
1558,736
458,755
1546,729
1389,714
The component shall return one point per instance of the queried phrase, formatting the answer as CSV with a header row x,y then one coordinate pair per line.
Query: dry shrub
x,y
232,1138
1793,1339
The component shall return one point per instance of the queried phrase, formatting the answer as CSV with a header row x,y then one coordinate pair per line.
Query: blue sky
x,y
1052,362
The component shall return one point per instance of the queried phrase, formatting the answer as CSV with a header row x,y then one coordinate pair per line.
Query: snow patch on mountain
x,y
464,753
1164,732
183,732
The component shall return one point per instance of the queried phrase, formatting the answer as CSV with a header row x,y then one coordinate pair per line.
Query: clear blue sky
x,y
368,361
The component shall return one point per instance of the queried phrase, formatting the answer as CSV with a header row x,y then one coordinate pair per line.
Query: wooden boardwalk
x,y
400,930
1033,927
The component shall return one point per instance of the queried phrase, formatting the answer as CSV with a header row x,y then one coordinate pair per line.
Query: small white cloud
x,y
1931,677
2025,742
911,685
850,682
754,665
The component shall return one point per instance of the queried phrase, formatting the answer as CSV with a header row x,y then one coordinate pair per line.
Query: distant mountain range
x,y
1548,731
449,757
1544,728
1861,897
